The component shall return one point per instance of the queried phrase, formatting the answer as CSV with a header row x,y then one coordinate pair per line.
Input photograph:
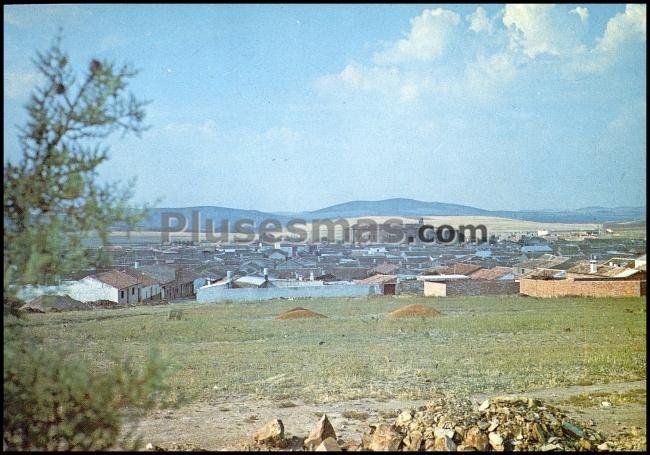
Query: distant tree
x,y
52,199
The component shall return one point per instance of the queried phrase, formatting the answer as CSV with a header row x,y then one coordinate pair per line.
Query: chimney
x,y
311,276
593,266
266,274
229,275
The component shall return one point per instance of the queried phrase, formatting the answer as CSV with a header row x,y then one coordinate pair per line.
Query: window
x,y
121,294
132,291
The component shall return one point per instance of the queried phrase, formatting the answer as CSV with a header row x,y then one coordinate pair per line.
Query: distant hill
x,y
397,207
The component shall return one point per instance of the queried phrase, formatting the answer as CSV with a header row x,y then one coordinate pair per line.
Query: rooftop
x,y
116,278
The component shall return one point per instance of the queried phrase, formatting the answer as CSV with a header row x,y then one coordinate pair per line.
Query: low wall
x,y
591,288
219,293
470,287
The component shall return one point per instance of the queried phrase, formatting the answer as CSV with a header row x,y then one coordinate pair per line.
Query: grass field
x,y
478,345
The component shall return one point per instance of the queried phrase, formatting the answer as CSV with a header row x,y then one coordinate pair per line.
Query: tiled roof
x,y
602,270
378,279
385,268
545,262
490,274
143,278
117,279
164,274
457,269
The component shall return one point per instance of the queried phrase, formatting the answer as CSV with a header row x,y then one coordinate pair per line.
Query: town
x,y
545,263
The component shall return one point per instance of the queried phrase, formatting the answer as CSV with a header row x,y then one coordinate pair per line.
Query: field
x,y
232,360
495,225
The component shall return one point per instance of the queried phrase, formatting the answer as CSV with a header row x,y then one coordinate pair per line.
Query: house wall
x,y
591,288
150,292
432,289
219,293
177,290
89,289
470,287
411,287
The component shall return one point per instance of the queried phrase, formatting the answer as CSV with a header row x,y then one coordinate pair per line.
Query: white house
x,y
116,286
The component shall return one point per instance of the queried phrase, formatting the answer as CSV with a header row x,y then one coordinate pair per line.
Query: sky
x,y
298,107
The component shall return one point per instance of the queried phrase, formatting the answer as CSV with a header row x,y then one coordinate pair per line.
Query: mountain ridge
x,y
396,207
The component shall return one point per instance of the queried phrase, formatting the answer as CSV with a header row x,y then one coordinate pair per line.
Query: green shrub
x,y
55,401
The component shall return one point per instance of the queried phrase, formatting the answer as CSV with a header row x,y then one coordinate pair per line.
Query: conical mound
x,y
415,310
298,313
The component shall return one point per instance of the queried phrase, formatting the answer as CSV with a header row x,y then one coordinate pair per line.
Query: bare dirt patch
x,y
209,426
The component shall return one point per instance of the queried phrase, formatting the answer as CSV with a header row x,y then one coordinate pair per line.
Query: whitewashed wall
x,y
90,289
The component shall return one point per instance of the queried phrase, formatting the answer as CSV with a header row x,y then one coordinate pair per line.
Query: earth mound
x,y
415,310
298,313
54,303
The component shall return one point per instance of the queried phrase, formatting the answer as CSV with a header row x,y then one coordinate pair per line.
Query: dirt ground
x,y
226,424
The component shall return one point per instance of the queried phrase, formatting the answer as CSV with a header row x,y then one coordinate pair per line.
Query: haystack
x,y
415,310
298,313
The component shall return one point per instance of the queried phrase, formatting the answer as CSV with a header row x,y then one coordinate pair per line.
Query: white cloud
x,y
486,75
621,31
540,29
18,84
629,25
357,77
429,35
500,54
479,21
582,12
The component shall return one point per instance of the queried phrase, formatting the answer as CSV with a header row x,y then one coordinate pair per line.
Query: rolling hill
x,y
395,207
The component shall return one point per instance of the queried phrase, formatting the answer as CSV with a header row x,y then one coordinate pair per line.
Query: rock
x,y
272,433
573,430
350,446
440,432
383,438
328,445
584,444
321,431
484,405
606,404
533,403
403,419
413,441
549,447
149,446
464,448
603,447
538,433
493,426
474,437
496,441
444,444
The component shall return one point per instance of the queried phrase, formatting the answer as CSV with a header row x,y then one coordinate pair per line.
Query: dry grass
x,y
586,400
478,345
356,415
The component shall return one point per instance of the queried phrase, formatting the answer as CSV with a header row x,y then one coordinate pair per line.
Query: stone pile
x,y
498,424
450,424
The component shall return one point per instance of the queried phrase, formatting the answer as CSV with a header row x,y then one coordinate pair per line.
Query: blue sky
x,y
297,107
